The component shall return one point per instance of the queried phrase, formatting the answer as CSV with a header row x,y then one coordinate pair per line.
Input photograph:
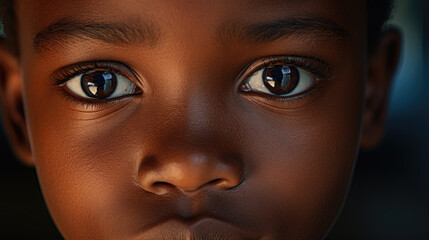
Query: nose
x,y
189,172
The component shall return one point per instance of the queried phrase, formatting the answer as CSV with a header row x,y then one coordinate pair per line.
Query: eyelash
x,y
61,76
320,69
316,66
64,74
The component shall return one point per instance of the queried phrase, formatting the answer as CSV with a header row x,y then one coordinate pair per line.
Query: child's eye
x,y
279,80
101,85
94,81
284,78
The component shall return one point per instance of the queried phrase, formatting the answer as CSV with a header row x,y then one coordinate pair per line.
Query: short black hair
x,y
378,12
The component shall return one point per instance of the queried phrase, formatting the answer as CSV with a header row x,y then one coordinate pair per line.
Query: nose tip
x,y
189,173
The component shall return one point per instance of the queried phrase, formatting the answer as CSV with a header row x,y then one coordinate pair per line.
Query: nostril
x,y
189,172
161,184
161,188
215,181
220,183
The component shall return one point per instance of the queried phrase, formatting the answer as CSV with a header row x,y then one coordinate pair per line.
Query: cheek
x,y
86,167
301,163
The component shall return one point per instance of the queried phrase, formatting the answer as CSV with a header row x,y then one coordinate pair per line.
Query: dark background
x,y
389,194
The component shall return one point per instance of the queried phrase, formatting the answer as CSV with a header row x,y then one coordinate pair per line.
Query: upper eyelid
x,y
314,65
62,75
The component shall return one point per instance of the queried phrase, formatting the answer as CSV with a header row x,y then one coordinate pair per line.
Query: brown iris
x,y
99,84
280,79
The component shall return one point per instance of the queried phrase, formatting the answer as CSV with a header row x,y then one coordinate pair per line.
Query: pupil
x,y
277,74
99,84
280,79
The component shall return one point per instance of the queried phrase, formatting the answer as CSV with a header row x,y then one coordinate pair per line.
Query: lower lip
x,y
205,228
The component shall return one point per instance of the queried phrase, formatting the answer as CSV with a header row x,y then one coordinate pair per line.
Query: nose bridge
x,y
203,114
194,107
192,150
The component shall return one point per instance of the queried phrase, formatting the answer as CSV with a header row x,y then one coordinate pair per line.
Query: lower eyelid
x,y
92,105
94,112
283,105
290,98
306,93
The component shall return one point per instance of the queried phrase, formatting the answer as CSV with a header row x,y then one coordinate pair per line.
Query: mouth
x,y
206,228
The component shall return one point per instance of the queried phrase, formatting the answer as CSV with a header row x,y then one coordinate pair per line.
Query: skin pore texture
x,y
194,148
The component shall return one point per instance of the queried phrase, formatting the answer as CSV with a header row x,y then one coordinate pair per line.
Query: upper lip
x,y
201,227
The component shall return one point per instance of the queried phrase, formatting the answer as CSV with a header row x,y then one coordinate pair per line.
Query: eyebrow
x,y
63,31
262,32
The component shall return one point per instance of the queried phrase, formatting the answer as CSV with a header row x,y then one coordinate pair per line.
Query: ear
x,y
12,105
382,66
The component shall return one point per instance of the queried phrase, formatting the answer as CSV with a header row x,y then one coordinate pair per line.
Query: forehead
x,y
137,6
195,14
149,7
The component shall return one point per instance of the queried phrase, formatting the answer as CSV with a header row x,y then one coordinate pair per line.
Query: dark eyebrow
x,y
63,31
269,31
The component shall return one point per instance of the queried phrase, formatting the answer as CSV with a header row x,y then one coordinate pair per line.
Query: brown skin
x,y
192,155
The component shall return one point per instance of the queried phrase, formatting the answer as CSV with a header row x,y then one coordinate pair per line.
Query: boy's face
x,y
192,141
